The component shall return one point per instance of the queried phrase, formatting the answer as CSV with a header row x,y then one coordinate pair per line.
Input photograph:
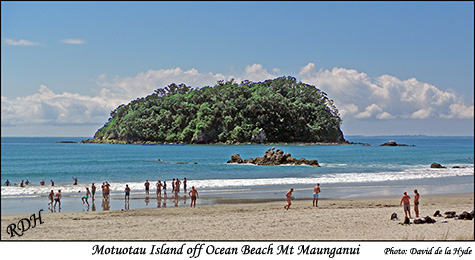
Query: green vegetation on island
x,y
281,110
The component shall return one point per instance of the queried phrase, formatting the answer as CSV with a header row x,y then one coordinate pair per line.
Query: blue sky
x,y
392,68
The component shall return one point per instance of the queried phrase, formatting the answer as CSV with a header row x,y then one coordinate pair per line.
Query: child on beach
x,y
288,195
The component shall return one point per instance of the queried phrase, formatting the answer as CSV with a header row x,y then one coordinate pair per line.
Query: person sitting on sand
x,y
316,190
84,199
288,195
416,203
407,205
51,197
193,194
127,193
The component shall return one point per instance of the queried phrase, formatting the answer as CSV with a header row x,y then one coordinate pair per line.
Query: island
x,y
280,110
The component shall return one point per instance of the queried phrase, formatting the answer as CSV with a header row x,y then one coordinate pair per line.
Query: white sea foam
x,y
411,173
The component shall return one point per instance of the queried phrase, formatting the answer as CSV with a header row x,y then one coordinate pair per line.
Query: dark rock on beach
x,y
272,157
393,143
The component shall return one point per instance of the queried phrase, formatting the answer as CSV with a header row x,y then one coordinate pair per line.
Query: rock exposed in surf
x,y
272,157
437,165
393,143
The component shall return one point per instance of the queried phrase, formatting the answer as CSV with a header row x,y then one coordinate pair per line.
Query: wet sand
x,y
358,219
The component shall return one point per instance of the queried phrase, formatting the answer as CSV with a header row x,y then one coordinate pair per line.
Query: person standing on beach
x,y
127,193
103,187
316,190
159,189
57,199
184,185
407,205
177,185
84,199
108,190
173,186
93,190
147,187
416,203
288,197
51,197
193,194
165,189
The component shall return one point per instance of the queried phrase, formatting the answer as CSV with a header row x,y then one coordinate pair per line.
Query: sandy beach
x,y
359,219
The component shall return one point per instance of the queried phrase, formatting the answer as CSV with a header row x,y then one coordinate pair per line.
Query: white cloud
x,y
386,96
20,42
73,41
356,95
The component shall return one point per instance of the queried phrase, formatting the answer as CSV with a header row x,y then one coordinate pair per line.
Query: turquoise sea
x,y
347,171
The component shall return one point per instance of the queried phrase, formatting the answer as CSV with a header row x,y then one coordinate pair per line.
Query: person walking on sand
x,y
407,205
147,187
416,203
193,194
85,197
51,198
316,191
93,191
288,197
127,192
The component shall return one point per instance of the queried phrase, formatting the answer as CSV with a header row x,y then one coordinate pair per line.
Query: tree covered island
x,y
280,110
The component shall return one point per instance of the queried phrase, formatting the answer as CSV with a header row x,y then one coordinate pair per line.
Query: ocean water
x,y
347,171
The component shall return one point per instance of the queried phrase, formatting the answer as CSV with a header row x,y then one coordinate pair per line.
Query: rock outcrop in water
x,y
272,157
393,143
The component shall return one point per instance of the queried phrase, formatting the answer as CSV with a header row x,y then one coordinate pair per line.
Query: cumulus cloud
x,y
73,41
356,95
385,97
20,42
